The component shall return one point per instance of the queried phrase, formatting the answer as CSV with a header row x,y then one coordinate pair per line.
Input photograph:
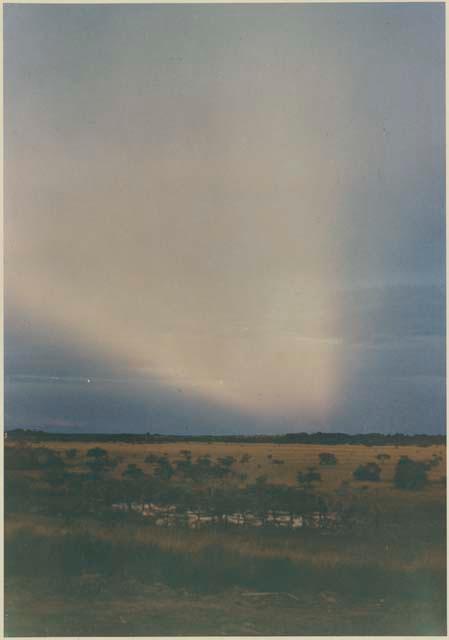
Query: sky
x,y
225,219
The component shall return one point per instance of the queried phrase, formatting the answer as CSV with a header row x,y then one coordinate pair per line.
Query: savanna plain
x,y
115,538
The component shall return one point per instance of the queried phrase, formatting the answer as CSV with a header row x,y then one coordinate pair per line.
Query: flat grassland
x,y
295,457
88,574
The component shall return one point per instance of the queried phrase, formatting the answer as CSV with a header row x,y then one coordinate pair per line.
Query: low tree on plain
x,y
227,461
97,452
98,467
204,461
327,459
133,472
410,474
367,472
306,479
164,469
151,458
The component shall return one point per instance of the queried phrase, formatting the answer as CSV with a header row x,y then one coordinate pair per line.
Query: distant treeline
x,y
368,439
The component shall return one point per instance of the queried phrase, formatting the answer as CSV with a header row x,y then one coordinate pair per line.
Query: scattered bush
x,y
151,458
164,470
133,472
410,474
327,459
22,458
308,478
100,465
97,452
227,461
367,472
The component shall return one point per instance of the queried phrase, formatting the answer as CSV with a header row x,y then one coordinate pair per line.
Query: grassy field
x,y
90,574
295,457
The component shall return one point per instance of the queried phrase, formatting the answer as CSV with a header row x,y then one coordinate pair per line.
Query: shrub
x,y
47,458
309,477
151,458
383,457
133,472
100,465
204,461
410,474
227,461
71,453
164,470
97,452
368,472
327,459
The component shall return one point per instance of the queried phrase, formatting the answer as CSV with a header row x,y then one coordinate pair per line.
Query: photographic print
x,y
224,319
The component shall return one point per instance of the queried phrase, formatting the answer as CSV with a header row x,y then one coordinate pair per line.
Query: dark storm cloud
x,y
226,217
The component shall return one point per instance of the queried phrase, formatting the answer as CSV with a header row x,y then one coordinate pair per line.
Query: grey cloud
x,y
244,201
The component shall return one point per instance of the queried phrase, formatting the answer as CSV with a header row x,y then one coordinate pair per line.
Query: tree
x,y
410,474
307,479
204,461
227,461
184,466
99,466
164,470
97,452
245,458
383,457
133,472
327,459
151,458
367,472
25,457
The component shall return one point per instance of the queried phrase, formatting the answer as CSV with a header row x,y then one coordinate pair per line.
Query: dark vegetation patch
x,y
211,569
368,439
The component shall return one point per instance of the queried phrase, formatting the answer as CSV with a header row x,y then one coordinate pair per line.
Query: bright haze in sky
x,y
225,218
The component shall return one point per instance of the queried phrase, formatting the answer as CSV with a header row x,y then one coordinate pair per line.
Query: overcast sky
x,y
225,218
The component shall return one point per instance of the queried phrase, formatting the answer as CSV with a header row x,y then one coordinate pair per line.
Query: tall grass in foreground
x,y
64,558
